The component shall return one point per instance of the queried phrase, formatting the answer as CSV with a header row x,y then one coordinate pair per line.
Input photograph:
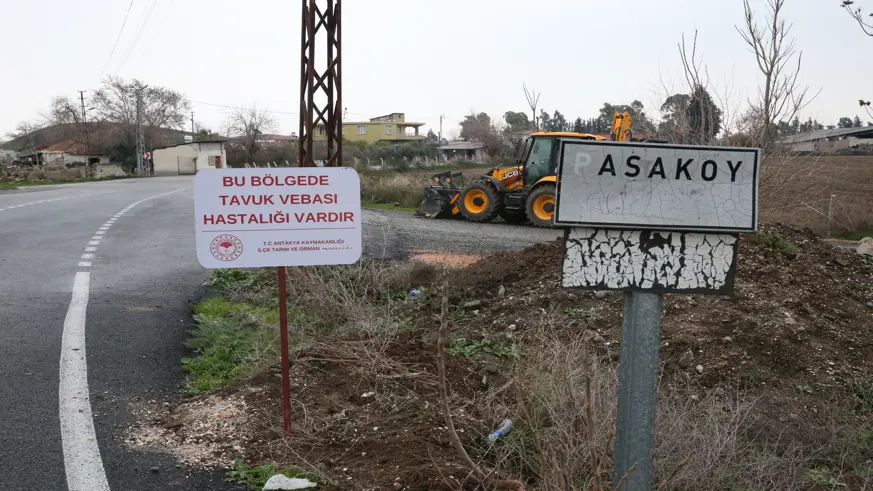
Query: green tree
x,y
206,135
559,122
810,125
703,116
578,127
844,123
641,122
431,136
856,123
545,121
516,121
479,128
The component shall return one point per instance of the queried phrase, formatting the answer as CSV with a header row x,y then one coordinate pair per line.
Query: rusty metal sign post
x,y
320,104
321,88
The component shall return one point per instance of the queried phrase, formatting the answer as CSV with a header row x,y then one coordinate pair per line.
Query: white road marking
x,y
94,242
55,199
99,233
84,468
82,462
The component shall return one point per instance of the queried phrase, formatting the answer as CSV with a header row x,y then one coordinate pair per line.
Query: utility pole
x,y
321,101
87,138
192,126
440,143
140,139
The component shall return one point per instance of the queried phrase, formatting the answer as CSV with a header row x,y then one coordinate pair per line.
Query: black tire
x,y
513,216
485,199
540,193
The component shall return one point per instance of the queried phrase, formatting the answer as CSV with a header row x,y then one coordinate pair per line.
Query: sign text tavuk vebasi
x,y
277,217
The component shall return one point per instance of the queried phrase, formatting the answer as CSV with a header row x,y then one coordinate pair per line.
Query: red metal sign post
x,y
317,87
286,368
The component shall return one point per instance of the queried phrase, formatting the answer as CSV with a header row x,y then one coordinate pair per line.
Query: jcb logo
x,y
510,174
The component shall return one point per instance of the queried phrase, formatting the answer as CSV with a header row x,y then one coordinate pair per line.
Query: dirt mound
x,y
801,309
366,414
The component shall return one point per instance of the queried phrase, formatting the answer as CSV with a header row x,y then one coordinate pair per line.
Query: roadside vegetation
x,y
777,396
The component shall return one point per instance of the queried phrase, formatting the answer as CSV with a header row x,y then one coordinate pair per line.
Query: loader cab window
x,y
539,161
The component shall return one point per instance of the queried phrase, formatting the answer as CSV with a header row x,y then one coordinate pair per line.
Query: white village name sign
x,y
648,219
654,217
247,218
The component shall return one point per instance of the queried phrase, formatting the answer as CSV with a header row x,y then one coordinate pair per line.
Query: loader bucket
x,y
439,197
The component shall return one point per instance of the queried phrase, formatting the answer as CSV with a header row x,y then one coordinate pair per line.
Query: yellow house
x,y
392,127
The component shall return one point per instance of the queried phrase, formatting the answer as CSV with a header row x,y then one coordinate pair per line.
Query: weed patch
x,y
476,347
774,240
229,342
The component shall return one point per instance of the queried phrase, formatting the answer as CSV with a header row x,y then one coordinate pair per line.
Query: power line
x,y
117,39
160,25
238,107
138,34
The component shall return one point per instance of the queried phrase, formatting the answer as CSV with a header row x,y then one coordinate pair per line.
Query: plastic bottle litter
x,y
503,430
414,292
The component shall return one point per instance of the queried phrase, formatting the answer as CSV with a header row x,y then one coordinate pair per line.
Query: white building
x,y
69,153
7,156
188,158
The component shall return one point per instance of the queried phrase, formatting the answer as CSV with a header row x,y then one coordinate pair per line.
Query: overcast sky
x,y
421,57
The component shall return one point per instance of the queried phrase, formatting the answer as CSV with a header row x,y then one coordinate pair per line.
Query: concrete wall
x,y
166,161
188,158
211,155
7,156
61,160
109,170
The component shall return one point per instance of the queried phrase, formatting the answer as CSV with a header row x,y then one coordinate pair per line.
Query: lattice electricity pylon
x,y
316,86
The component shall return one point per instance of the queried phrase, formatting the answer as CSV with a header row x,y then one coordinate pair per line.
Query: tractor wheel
x,y
541,205
479,202
513,216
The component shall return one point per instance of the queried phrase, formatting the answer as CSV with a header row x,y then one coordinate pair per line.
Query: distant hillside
x,y
103,136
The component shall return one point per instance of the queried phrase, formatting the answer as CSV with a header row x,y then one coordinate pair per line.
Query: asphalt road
x,y
96,286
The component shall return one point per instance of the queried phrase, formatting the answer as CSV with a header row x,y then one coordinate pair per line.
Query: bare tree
x,y
245,125
63,111
23,128
867,27
533,99
858,15
162,108
781,96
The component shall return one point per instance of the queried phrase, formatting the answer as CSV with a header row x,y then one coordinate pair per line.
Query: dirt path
x,y
391,235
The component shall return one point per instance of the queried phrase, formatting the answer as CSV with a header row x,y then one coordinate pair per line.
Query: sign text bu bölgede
x,y
277,217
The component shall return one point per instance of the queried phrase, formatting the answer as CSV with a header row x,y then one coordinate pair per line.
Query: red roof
x,y
72,147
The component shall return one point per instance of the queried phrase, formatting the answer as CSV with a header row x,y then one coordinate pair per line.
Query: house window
x,y
388,130
321,130
362,130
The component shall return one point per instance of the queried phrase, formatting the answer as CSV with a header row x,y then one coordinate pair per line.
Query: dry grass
x,y
796,190
403,189
563,438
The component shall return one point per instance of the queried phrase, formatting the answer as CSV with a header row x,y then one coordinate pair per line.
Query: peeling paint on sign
x,y
659,261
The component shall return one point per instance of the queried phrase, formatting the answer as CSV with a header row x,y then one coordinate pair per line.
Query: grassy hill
x,y
103,136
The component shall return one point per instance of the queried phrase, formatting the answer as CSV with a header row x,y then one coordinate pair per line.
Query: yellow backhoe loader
x,y
525,192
